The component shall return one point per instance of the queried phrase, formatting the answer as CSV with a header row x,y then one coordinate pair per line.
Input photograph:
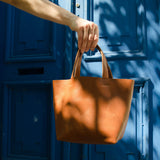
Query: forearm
x,y
45,9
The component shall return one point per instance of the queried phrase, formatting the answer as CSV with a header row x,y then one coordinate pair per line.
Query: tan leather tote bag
x,y
91,110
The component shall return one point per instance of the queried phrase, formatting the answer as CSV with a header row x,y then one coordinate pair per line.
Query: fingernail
x,y
95,37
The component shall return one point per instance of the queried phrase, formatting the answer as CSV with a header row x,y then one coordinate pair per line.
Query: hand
x,y
88,34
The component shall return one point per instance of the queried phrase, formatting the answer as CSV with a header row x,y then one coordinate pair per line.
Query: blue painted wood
x,y
27,128
1,100
124,30
2,40
121,26
26,121
50,60
25,41
153,30
118,22
33,53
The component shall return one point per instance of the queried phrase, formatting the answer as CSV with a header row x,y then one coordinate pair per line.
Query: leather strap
x,y
106,72
77,65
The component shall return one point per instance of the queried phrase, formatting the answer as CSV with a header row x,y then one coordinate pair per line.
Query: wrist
x,y
73,22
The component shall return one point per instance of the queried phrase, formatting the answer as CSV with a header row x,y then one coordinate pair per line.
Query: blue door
x,y
34,51
129,37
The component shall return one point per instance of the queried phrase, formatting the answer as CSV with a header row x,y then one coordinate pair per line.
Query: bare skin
x,y
88,33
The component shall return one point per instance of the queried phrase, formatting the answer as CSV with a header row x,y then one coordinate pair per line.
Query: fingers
x,y
95,39
88,35
80,37
85,38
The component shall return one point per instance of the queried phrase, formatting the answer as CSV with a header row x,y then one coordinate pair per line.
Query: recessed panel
x,y
29,37
29,124
32,35
120,25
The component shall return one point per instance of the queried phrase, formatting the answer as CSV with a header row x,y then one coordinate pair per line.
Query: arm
x,y
87,31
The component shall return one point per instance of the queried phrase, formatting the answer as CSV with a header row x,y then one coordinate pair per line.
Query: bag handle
x,y
106,71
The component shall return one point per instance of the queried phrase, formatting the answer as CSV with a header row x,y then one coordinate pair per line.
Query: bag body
x,y
91,110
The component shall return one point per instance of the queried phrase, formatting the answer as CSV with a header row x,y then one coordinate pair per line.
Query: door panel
x,y
118,24
29,37
29,126
121,26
